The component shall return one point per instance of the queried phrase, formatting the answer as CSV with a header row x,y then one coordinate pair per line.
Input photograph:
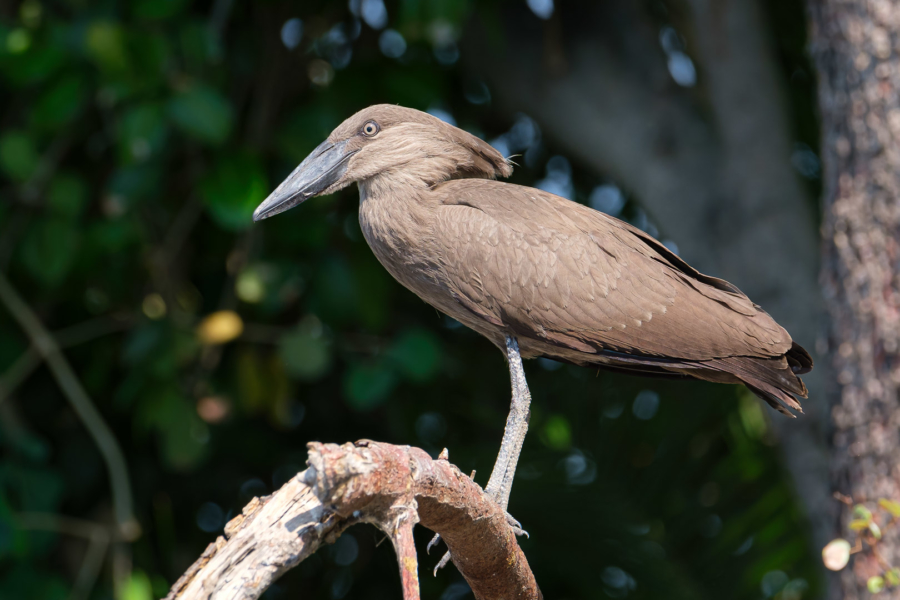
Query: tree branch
x,y
47,346
391,487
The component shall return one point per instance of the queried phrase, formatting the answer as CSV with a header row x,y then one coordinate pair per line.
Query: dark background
x,y
136,138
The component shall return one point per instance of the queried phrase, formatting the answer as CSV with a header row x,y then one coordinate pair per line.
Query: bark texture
x,y
391,487
856,45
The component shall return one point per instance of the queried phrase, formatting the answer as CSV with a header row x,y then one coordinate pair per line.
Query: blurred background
x,y
163,359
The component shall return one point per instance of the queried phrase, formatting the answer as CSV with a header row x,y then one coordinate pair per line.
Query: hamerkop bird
x,y
536,274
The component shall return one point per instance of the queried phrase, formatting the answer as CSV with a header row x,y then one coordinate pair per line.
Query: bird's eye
x,y
370,128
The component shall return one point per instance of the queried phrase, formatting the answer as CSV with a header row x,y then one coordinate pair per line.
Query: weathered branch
x,y
391,487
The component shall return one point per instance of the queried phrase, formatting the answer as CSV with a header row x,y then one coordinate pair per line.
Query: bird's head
x,y
413,146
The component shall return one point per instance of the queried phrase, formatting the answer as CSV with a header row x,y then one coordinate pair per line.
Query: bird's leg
x,y
500,483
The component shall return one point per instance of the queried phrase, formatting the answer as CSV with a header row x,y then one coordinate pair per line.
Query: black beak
x,y
320,170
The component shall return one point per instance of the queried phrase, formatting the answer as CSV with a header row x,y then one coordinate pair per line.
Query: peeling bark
x,y
855,45
391,487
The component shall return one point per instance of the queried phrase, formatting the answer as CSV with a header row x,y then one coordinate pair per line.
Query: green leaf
x,y
858,524
305,352
59,104
861,512
368,386
37,64
417,354
67,195
875,530
893,577
557,433
890,506
136,587
105,44
18,155
128,185
142,132
202,113
184,436
233,190
49,250
156,10
875,584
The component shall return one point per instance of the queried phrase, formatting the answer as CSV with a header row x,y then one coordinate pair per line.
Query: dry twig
x,y
391,487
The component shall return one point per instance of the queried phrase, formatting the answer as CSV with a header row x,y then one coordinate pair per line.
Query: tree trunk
x,y
856,53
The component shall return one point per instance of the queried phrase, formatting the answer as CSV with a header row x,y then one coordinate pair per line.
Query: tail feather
x,y
774,380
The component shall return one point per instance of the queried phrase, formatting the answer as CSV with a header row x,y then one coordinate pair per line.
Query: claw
x,y
434,542
516,526
443,563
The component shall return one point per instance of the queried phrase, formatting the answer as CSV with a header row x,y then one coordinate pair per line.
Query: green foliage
x,y
49,249
306,354
201,113
233,189
18,156
367,386
138,138
417,354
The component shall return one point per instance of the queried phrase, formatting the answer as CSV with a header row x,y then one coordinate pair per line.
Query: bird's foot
x,y
510,520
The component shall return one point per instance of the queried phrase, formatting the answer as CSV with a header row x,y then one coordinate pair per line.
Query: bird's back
x,y
578,285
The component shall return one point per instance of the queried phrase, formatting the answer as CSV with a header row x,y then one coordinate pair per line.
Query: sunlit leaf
x,y
858,524
861,512
875,530
233,190
105,44
136,587
220,327
202,113
836,554
18,155
368,386
557,433
875,584
890,506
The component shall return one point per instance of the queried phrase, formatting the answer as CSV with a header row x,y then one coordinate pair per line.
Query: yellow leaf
x,y
859,524
220,327
890,506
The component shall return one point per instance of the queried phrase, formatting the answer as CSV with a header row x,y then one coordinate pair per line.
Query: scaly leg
x,y
500,483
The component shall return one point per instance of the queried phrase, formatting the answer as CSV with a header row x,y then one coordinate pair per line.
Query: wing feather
x,y
555,270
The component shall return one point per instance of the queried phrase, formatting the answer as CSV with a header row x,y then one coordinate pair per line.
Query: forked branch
x,y
391,487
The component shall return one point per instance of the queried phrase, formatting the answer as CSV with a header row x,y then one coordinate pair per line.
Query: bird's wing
x,y
558,271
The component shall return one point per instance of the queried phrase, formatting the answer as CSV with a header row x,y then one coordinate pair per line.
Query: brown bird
x,y
536,274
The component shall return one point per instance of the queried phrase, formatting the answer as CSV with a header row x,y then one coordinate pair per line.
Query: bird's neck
x,y
395,213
